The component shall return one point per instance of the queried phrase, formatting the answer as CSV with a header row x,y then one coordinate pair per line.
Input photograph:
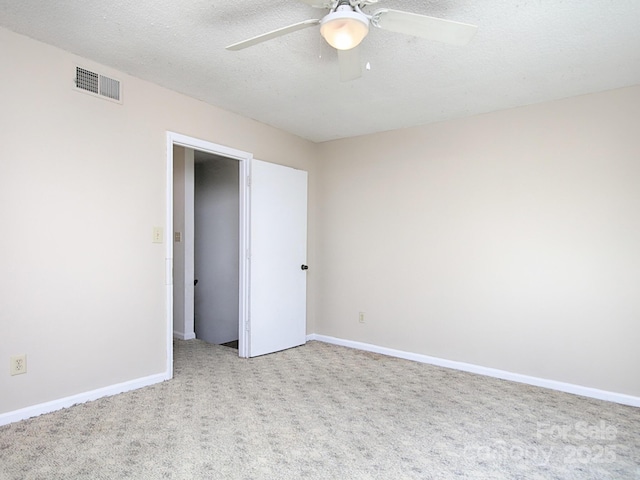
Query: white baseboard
x,y
35,410
184,336
621,398
624,399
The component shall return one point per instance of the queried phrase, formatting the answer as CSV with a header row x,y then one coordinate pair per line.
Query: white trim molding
x,y
245,159
184,336
66,402
621,398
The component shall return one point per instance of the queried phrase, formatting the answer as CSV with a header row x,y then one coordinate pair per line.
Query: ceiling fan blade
x,y
349,61
438,29
273,34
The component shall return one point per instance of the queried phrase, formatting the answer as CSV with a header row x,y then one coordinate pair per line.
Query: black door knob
x,y
195,282
304,267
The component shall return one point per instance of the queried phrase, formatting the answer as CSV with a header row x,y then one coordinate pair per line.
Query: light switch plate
x,y
157,235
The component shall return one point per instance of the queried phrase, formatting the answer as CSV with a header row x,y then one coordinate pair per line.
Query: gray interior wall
x,y
183,261
178,247
216,248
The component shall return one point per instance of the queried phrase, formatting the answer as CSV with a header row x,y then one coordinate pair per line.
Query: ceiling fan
x,y
346,25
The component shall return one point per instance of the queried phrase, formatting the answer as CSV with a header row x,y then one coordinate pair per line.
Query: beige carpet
x,y
325,412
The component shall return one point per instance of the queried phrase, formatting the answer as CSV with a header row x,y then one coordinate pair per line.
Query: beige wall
x,y
509,240
82,183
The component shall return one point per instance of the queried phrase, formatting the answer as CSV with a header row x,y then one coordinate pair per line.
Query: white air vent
x,y
96,84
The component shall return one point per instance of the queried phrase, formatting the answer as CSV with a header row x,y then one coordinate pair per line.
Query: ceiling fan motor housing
x,y
344,28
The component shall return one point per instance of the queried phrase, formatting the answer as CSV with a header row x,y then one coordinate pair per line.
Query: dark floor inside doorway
x,y
233,344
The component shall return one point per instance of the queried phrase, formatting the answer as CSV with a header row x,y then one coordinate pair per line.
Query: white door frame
x,y
244,170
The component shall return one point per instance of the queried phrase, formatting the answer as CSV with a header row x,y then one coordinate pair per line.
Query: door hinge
x,y
248,180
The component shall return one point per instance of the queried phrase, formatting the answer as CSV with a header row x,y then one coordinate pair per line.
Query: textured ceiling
x,y
525,51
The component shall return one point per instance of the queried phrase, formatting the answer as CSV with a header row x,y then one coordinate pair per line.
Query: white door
x,y
278,253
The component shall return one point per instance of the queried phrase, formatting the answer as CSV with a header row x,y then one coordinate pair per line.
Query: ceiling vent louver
x,y
96,84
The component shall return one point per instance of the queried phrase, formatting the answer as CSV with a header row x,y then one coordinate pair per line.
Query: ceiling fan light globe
x,y
344,30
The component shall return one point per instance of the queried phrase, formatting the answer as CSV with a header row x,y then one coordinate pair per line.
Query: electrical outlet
x,y
361,317
18,364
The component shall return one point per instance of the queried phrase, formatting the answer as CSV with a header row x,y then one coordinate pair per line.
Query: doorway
x,y
180,247
271,254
